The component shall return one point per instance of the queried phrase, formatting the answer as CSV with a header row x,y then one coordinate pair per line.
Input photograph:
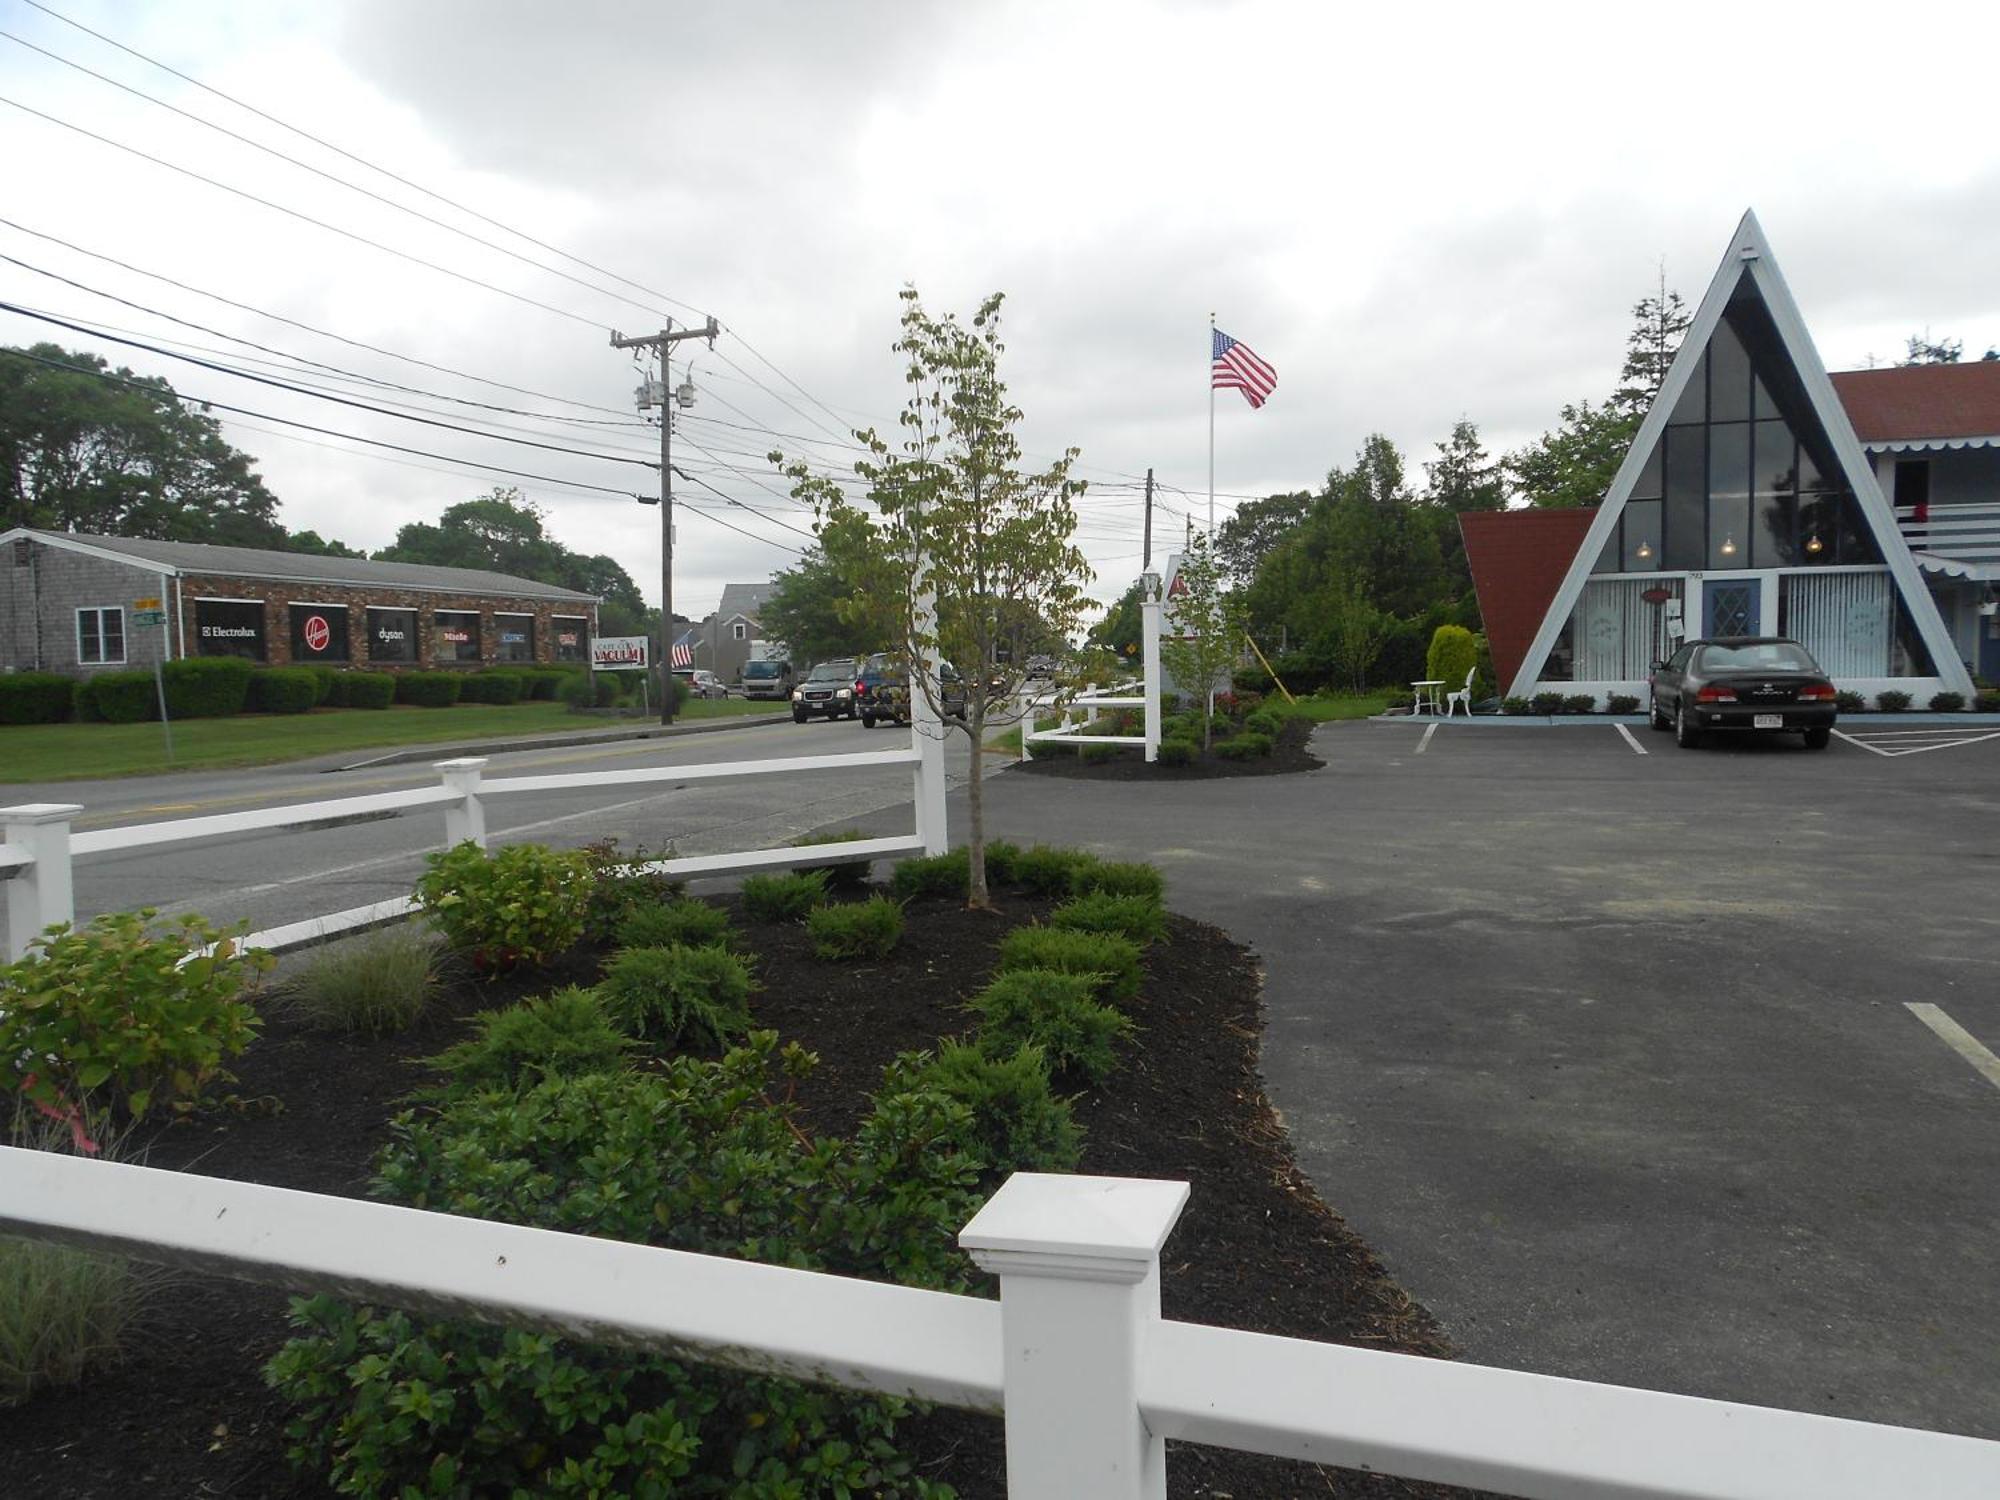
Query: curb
x,y
1864,720
445,751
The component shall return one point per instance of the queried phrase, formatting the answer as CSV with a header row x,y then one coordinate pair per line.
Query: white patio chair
x,y
1462,695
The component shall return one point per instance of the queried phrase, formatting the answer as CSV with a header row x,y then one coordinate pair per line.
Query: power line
x,y
353,437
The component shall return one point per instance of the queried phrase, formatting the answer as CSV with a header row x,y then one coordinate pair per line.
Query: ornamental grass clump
x,y
375,984
1015,1120
561,1035
947,874
687,923
64,1314
1055,1011
1141,918
1116,878
1112,961
783,898
856,929
678,996
525,904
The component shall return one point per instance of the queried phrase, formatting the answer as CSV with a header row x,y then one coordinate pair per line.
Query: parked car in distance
x,y
701,683
1755,683
887,696
827,692
768,679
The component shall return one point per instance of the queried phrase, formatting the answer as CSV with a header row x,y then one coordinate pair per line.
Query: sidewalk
x,y
409,754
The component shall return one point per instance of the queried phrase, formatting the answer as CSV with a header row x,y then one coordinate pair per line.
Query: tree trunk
x,y
975,798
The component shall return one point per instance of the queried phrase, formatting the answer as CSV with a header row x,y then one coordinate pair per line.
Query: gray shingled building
x,y
68,603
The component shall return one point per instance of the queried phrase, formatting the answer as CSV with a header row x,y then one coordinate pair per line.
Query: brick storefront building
x,y
68,601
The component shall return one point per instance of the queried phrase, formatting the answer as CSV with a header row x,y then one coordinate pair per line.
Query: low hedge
x,y
1111,961
429,689
284,690
124,697
36,698
370,689
493,687
206,687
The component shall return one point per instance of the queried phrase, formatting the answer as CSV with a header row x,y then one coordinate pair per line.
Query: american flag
x,y
683,654
1236,367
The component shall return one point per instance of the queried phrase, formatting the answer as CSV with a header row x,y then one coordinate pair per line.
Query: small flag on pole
x,y
683,655
1236,367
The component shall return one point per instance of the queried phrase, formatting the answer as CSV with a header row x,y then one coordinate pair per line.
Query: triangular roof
x,y
1748,251
1518,559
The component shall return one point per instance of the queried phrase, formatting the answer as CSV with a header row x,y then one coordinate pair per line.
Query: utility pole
x,y
661,343
1147,558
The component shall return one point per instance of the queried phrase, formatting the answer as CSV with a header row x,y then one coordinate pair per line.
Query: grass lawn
x,y
1350,706
68,752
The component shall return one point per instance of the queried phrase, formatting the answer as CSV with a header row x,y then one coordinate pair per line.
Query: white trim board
x,y
1749,251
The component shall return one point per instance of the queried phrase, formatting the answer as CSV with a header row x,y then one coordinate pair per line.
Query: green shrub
x,y
1047,871
543,683
1947,703
1847,701
524,904
1176,753
206,687
1015,1122
1892,702
328,680
1245,747
783,898
578,692
375,984
678,996
1252,680
83,703
1453,652
844,874
1003,859
1621,703
620,886
283,690
947,874
1113,961
697,1157
370,689
1579,703
1515,706
1987,701
36,698
1097,755
1116,878
124,697
856,929
1138,917
64,1315
493,685
1055,1011
565,1034
1546,703
117,1015
428,689
605,690
1265,721
688,923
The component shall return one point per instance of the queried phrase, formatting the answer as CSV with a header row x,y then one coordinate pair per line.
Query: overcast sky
x,y
1445,211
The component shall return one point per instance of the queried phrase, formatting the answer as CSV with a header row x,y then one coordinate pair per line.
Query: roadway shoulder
x,y
413,753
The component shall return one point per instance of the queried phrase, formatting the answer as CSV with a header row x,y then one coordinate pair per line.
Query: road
x,y
273,878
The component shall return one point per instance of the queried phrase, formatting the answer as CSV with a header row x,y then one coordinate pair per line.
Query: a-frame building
x,y
1746,506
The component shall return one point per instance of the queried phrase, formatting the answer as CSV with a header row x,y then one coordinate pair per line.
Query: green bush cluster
x,y
492,685
842,874
121,697
524,904
621,885
1113,877
1003,860
1579,703
206,687
678,996
1515,706
695,1157
1453,652
120,1015
1546,703
1847,701
1264,721
374,984
565,1034
428,689
369,689
1621,703
947,874
783,898
1892,702
1138,917
285,690
856,929
1046,871
1245,747
1014,1119
1057,1012
1111,962
1947,703
578,692
1176,753
1987,701
36,698
685,923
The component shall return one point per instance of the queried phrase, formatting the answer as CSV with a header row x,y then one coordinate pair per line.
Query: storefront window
x,y
456,636
516,635
392,635
230,627
319,632
572,638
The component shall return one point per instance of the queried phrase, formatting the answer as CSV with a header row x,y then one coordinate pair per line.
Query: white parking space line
x,y
1898,741
1425,743
1841,734
1637,748
1956,1037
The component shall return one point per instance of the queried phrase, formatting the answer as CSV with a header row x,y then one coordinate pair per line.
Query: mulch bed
x,y
188,1413
1288,755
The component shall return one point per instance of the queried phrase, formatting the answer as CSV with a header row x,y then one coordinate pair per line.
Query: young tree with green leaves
x,y
840,599
1205,625
989,547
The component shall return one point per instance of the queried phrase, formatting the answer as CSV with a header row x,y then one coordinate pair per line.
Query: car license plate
x,y
1768,721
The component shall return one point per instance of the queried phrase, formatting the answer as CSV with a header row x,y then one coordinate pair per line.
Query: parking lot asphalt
x,y
1606,1047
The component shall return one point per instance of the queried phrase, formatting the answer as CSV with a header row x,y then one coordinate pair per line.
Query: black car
x,y
1758,683
827,692
884,691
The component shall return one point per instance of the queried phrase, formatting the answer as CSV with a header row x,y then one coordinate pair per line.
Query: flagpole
x,y
1211,425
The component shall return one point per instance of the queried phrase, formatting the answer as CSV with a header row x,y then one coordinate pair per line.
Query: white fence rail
x,y
1090,1378
36,858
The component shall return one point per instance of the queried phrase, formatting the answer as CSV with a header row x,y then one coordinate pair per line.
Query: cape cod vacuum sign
x,y
619,653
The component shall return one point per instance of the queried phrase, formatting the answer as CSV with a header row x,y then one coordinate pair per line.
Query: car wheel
x,y
1818,739
1685,734
868,721
798,716
1660,720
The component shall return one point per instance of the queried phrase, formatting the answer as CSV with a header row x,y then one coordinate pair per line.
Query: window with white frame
x,y
100,635
739,631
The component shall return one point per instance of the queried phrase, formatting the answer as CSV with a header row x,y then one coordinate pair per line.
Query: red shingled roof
x,y
1913,403
1518,558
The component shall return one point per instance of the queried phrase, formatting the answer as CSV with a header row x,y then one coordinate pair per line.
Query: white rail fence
x,y
37,858
1090,1378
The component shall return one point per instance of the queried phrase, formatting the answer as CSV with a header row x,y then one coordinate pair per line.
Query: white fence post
x,y
41,894
1079,1265
465,818
1155,683
927,724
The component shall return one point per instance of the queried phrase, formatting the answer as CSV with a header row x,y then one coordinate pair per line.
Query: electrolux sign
x,y
229,627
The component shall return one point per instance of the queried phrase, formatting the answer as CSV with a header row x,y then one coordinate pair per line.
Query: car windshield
x,y
760,669
832,671
1758,656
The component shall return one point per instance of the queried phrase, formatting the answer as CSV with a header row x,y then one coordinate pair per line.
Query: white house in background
x,y
1748,505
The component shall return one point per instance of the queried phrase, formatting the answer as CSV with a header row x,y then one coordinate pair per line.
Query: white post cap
x,y
1074,1228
